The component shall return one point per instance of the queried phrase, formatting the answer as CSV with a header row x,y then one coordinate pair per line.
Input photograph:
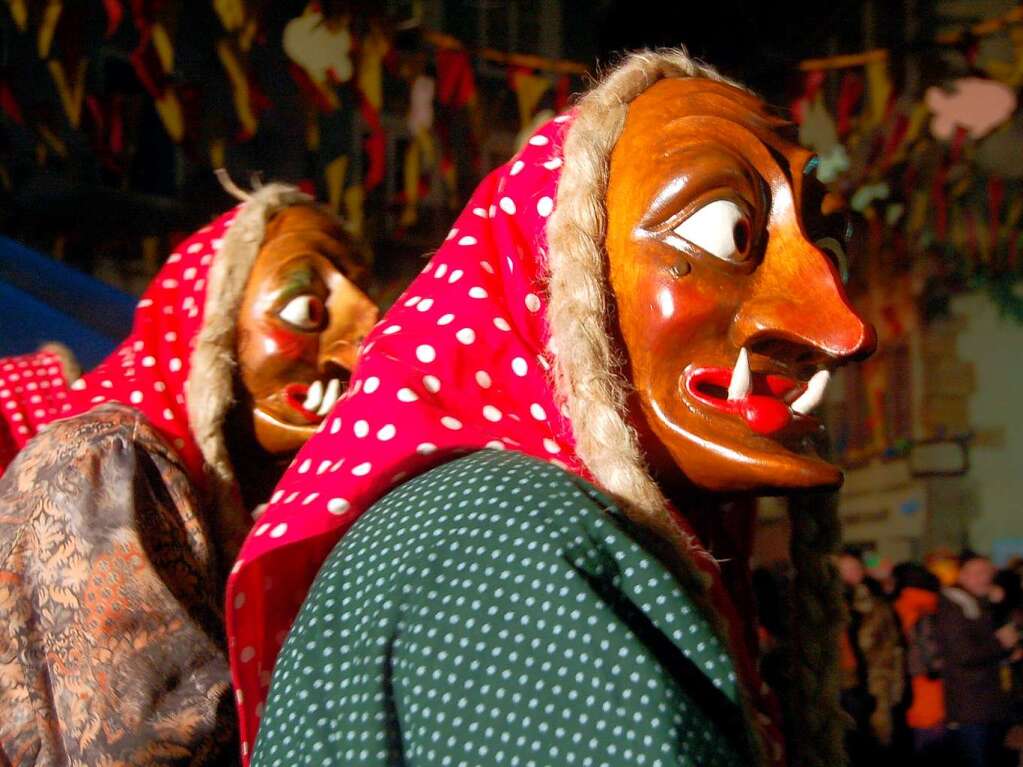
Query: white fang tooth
x,y
313,396
329,396
742,380
814,393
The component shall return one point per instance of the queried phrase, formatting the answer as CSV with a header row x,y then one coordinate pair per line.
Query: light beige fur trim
x,y
587,373
68,361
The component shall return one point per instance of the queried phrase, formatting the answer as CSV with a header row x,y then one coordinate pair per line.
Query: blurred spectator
x,y
973,648
944,565
873,676
1007,598
916,604
1009,609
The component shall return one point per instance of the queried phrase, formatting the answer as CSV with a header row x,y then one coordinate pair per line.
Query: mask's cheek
x,y
289,345
273,357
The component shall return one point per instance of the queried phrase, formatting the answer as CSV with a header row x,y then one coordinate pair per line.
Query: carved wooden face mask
x,y
729,298
300,324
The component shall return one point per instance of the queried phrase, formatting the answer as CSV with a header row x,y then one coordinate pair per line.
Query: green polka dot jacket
x,y
496,610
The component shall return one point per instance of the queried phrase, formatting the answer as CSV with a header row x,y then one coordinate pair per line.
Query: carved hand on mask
x,y
301,321
729,301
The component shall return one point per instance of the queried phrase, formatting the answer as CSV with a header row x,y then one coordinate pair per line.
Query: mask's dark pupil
x,y
315,311
741,236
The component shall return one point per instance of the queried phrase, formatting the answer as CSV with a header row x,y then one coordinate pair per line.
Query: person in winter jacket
x,y
916,605
973,649
874,682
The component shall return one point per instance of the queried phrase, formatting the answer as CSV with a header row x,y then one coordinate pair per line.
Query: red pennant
x,y
894,139
971,236
875,234
96,113
940,203
812,83
849,94
115,15
10,105
892,321
956,149
562,92
147,65
309,89
456,81
376,145
995,197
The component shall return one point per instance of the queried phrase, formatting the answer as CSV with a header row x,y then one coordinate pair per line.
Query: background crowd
x,y
932,659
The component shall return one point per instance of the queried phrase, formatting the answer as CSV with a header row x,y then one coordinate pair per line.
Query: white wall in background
x,y
995,347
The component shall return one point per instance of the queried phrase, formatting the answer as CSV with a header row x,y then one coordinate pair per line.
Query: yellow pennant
x,y
164,47
247,35
239,86
19,12
218,153
231,13
1012,217
48,26
354,216
71,95
171,114
334,174
529,89
50,141
879,89
312,130
919,207
370,77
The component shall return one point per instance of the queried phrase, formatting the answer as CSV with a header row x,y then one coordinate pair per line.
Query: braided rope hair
x,y
818,615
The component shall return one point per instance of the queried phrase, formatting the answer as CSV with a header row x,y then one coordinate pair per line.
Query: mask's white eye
x,y
836,252
304,312
720,228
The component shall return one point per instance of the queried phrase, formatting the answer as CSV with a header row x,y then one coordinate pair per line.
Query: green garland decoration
x,y
1005,290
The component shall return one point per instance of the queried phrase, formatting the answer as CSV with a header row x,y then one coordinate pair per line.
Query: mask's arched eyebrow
x,y
782,161
297,282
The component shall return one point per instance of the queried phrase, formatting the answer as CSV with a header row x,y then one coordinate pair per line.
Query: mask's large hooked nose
x,y
352,315
798,303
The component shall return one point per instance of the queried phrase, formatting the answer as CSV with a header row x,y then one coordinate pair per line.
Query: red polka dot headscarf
x,y
459,363
33,390
148,370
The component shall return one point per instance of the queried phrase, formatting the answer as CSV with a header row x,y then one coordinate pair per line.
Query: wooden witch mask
x,y
727,287
302,318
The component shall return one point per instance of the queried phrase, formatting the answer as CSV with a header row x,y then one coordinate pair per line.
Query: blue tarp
x,y
42,300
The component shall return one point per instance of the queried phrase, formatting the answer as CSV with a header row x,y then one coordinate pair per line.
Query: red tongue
x,y
765,415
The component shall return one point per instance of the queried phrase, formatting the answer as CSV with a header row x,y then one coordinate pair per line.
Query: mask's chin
x,y
278,437
717,451
285,420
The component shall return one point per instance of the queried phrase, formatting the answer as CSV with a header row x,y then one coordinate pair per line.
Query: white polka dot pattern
x,y
33,392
